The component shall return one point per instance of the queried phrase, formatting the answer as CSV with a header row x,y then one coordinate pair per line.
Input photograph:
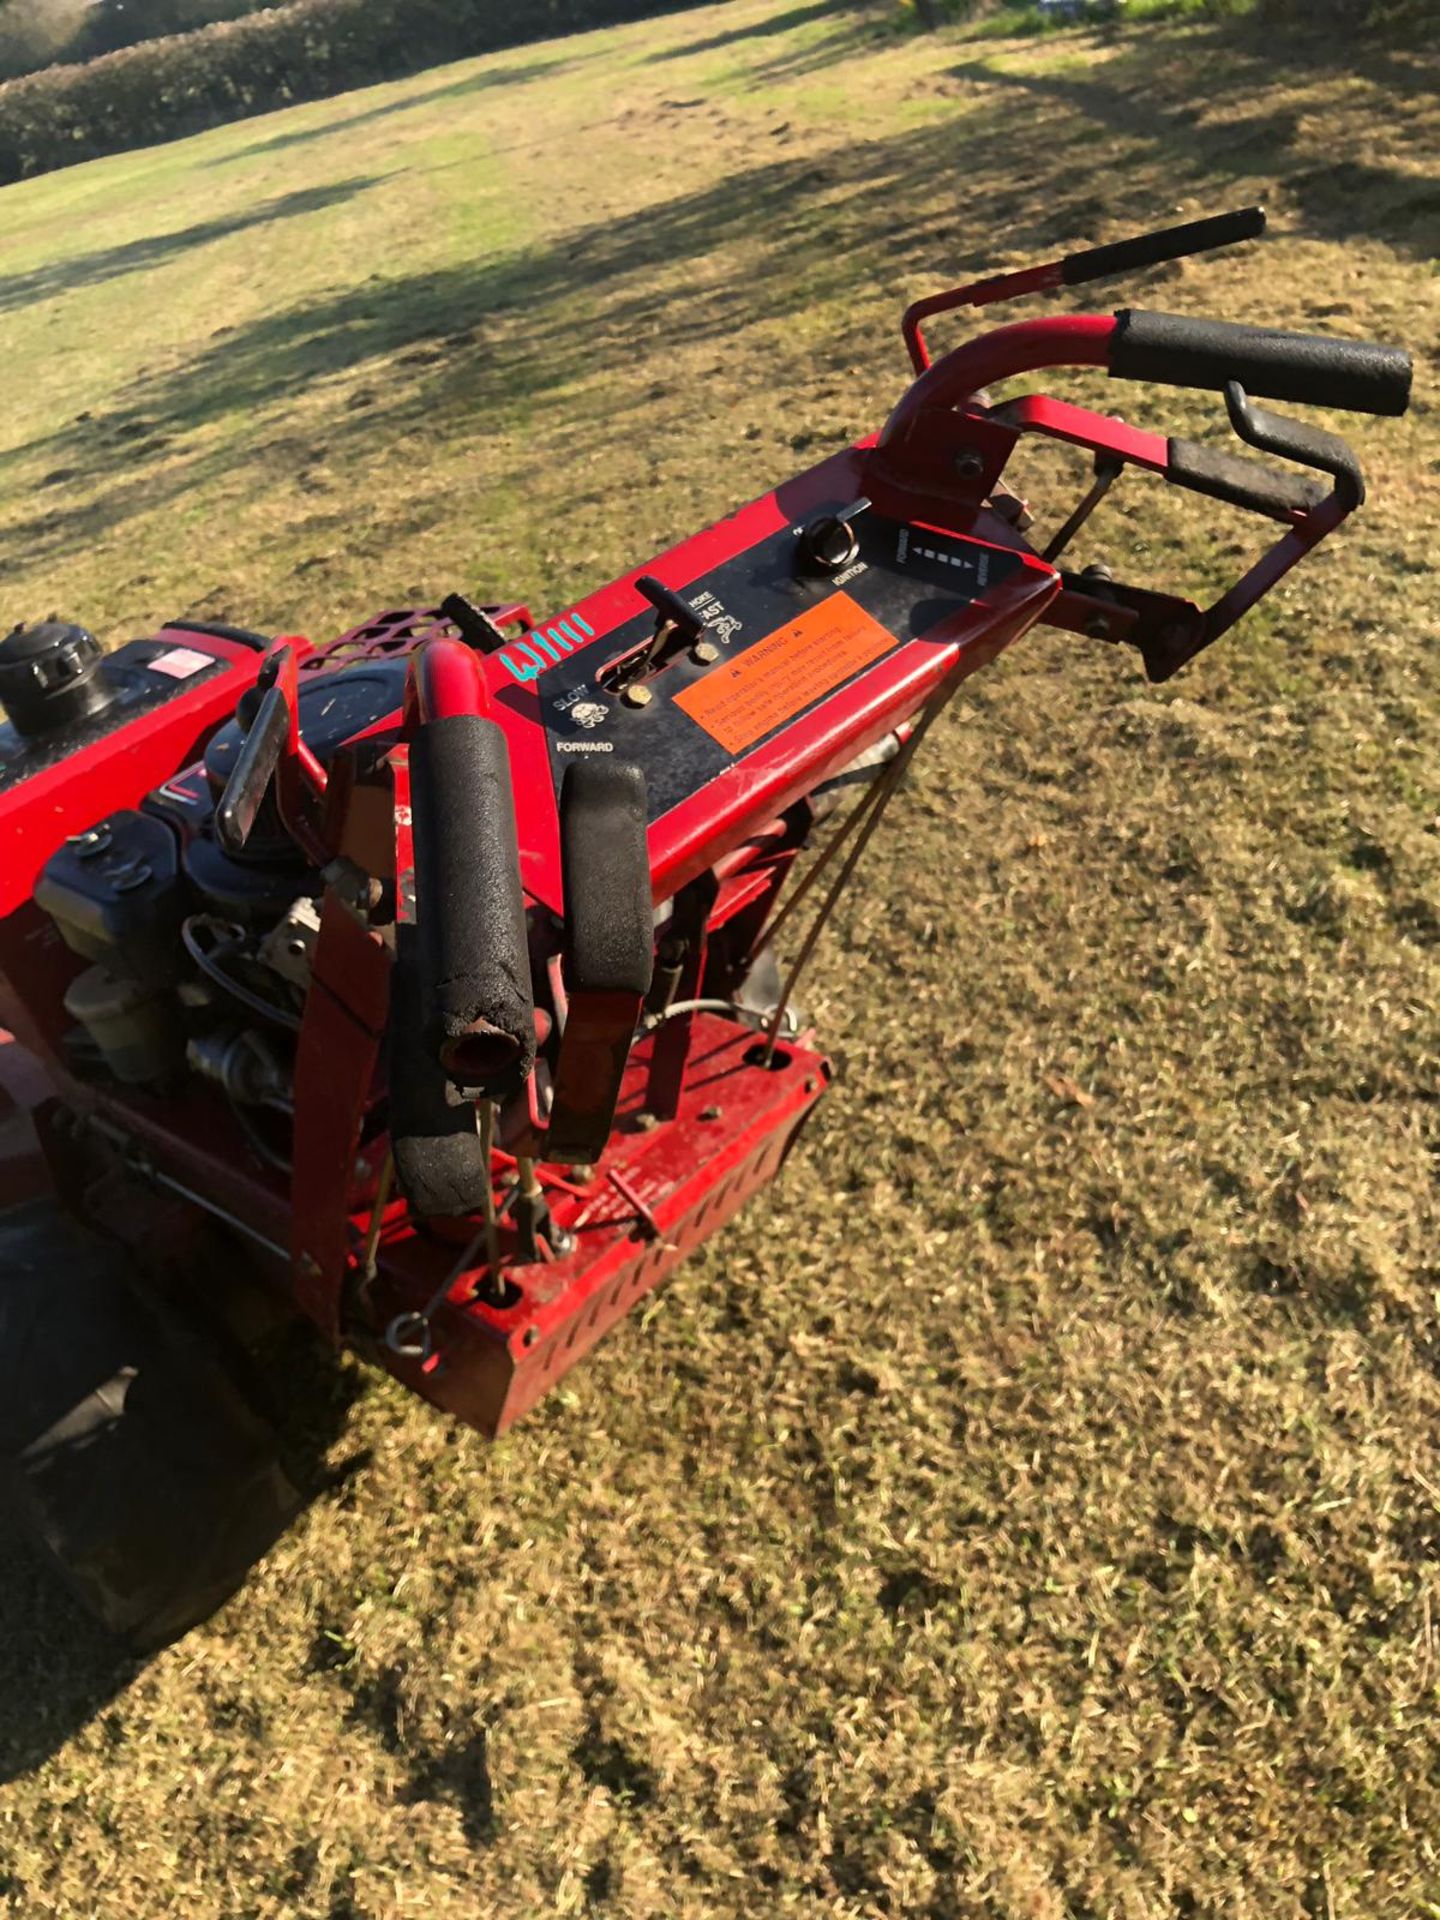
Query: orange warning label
x,y
743,699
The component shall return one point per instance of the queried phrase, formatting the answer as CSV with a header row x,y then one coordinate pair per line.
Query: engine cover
x,y
168,695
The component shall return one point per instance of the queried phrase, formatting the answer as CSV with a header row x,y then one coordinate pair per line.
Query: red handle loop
x,y
1071,340
446,682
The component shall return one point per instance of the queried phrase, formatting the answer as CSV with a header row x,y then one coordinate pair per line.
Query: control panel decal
x,y
781,639
782,674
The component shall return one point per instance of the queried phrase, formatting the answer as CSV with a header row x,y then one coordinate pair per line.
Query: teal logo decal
x,y
543,647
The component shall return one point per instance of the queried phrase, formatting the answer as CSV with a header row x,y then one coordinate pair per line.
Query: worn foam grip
x,y
440,1164
1181,351
474,957
605,861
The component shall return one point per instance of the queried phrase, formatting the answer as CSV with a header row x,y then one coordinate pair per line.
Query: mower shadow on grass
x,y
60,1670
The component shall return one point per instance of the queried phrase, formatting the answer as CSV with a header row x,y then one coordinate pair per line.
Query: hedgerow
x,y
167,88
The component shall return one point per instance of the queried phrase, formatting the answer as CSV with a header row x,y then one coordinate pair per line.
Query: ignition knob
x,y
828,542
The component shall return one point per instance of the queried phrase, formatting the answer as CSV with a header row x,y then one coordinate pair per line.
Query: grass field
x,y
1031,1508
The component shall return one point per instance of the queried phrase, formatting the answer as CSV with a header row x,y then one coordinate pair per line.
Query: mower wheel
x,y
129,1457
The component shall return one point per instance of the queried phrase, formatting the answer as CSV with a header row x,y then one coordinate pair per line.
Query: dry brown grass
x,y
1030,1510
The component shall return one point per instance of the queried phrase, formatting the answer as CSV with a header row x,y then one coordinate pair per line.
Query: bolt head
x,y
637,696
704,653
969,463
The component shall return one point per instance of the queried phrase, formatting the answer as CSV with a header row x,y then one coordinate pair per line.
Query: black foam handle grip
x,y
609,948
1248,484
1180,351
605,862
1170,243
440,1160
469,906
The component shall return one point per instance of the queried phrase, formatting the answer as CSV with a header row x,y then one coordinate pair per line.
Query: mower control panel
x,y
753,660
778,639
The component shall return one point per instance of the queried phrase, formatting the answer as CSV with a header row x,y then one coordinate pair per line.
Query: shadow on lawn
x,y
155,250
753,30
581,328
1340,199
58,1669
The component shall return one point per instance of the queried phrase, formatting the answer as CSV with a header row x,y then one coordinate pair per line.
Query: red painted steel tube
x,y
979,293
1072,340
446,682
1101,432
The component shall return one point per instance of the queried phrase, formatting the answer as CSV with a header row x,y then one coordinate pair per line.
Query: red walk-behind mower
x,y
430,976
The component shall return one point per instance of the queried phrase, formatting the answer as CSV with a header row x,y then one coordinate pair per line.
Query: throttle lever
x,y
255,765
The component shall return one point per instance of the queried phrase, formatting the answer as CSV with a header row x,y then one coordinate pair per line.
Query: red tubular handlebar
x,y
446,683
979,293
1071,340
1174,350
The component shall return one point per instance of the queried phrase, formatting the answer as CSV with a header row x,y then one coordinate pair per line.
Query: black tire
x,y
129,1457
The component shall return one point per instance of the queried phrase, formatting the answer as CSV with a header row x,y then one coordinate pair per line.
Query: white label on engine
x,y
181,662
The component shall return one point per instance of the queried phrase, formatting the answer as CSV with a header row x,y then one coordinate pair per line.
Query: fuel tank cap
x,y
50,676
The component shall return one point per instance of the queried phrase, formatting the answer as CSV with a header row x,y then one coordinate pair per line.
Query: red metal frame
x,y
706,1115
656,1195
943,452
1025,346
446,682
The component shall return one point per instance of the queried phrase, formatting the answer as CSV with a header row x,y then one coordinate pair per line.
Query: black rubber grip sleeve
x,y
1180,351
609,907
1171,243
1241,482
469,906
439,1161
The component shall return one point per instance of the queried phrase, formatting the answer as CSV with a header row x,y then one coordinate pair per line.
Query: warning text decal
x,y
741,700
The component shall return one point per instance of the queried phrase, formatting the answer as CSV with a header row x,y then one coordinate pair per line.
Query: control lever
x,y
1075,269
1296,440
1108,468
274,753
265,741
677,626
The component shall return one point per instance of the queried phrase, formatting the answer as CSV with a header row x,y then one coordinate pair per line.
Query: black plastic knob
x,y
50,676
